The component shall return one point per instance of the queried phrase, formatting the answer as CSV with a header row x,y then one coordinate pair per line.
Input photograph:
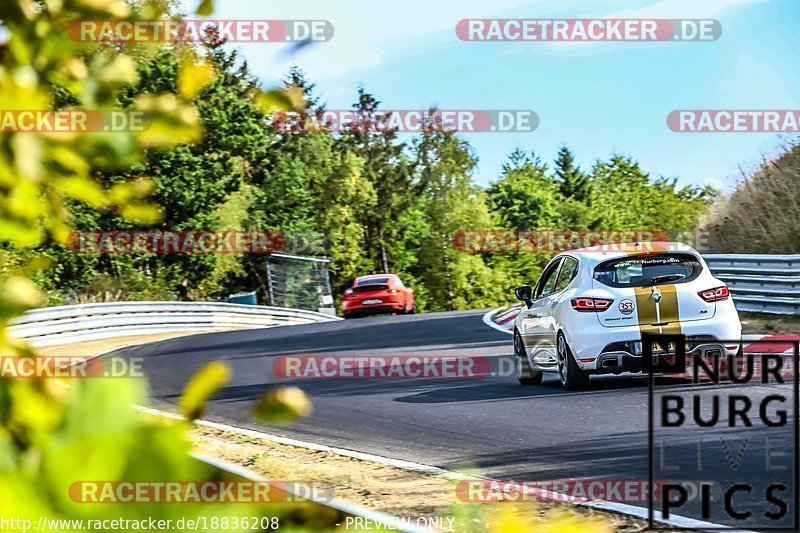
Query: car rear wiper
x,y
666,277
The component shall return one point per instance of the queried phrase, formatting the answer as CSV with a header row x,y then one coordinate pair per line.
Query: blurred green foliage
x,y
514,517
55,432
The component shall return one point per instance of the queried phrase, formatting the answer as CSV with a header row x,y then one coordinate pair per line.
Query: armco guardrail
x,y
76,323
760,283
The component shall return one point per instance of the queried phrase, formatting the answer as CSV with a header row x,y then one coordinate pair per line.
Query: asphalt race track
x,y
506,430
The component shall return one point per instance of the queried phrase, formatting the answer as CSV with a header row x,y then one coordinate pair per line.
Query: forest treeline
x,y
380,201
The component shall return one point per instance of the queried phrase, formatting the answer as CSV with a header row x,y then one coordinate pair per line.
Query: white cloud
x,y
684,9
664,9
366,34
363,30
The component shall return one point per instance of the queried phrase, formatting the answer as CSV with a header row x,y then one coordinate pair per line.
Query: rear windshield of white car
x,y
644,271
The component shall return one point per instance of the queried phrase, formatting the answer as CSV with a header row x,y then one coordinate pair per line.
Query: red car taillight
x,y
591,304
716,294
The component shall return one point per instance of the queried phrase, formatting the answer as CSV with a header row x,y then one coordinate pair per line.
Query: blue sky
x,y
597,98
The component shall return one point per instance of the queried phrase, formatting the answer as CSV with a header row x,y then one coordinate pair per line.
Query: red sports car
x,y
378,293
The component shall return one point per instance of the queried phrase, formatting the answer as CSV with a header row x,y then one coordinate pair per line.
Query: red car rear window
x,y
372,281
370,288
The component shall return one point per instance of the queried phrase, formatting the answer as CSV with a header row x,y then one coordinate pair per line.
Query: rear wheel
x,y
525,374
572,376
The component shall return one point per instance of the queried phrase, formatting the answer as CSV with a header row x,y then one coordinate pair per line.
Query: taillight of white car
x,y
716,294
591,304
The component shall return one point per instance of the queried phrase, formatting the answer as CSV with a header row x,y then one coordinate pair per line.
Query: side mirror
x,y
524,293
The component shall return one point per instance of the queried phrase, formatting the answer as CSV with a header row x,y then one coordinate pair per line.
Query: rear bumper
x,y
615,344
376,310
388,305
618,362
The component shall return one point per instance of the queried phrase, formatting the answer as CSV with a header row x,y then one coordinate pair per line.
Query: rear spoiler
x,y
366,288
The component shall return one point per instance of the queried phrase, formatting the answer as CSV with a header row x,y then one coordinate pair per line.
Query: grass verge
x,y
769,324
397,491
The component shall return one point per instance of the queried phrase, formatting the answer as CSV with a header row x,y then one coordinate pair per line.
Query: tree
x,y
524,197
296,79
572,182
626,198
208,185
387,168
444,166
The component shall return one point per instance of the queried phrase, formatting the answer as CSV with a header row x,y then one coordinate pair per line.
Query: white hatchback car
x,y
587,313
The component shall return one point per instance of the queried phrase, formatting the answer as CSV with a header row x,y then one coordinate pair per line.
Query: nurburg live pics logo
x,y
734,427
